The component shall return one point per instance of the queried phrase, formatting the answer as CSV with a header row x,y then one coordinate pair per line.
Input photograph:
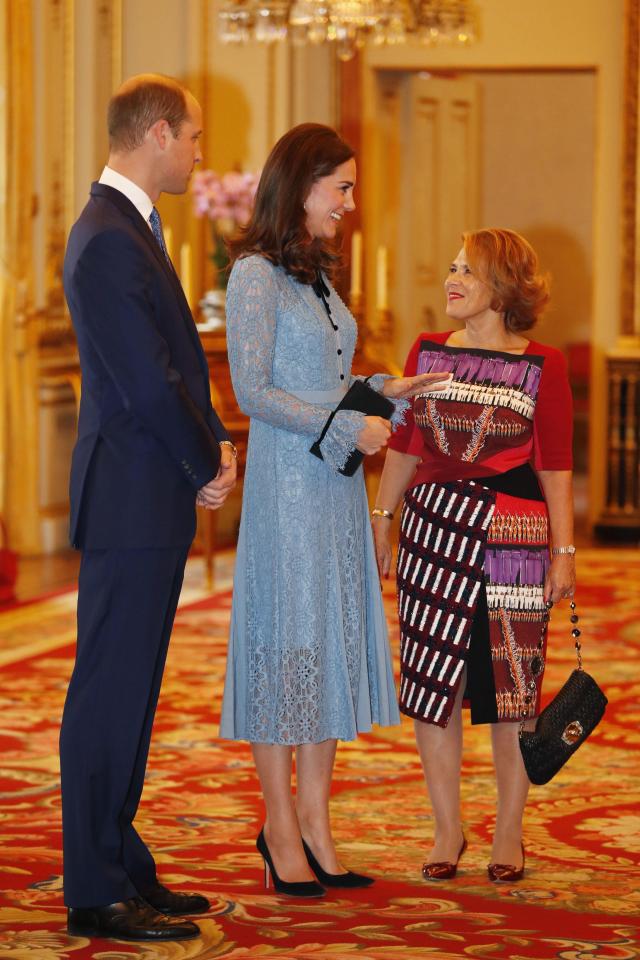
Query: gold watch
x,y
228,443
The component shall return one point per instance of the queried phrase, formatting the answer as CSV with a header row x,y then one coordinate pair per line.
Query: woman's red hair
x,y
509,265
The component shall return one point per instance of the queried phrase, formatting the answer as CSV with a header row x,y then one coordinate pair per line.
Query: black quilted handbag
x,y
565,723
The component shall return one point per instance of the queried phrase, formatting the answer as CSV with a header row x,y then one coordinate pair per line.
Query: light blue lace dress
x,y
308,654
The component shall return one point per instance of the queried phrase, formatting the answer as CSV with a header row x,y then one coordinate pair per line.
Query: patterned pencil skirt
x,y
472,562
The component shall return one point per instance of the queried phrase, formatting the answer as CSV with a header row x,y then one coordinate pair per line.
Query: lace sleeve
x,y
252,302
341,437
376,382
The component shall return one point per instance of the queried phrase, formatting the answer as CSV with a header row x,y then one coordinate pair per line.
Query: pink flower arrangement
x,y
227,199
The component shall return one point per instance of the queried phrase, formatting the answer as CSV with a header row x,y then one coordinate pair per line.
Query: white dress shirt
x,y
141,201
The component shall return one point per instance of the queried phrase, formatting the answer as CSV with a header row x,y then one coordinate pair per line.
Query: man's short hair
x,y
139,103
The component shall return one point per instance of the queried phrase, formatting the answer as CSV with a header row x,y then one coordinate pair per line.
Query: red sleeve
x,y
553,418
407,437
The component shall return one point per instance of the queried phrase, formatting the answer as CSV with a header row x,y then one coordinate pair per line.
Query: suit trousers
x,y
127,601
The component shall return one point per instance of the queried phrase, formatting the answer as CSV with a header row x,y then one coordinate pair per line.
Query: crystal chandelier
x,y
347,23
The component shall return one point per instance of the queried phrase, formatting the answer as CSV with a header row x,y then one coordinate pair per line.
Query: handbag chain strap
x,y
537,661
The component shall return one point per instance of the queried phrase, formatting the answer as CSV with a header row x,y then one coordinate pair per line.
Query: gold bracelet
x,y
379,512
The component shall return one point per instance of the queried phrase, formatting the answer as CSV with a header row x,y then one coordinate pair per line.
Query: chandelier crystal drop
x,y
347,23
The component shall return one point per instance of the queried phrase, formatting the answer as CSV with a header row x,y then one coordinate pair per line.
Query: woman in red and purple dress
x,y
486,533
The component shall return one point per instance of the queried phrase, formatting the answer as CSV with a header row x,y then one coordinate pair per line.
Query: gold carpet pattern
x,y
579,900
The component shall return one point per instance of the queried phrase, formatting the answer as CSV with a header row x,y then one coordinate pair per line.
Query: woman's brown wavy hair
x,y
509,265
277,228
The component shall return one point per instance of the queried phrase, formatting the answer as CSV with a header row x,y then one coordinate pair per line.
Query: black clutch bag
x,y
565,723
361,397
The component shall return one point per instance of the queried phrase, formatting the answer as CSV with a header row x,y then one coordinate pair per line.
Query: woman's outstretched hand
x,y
403,388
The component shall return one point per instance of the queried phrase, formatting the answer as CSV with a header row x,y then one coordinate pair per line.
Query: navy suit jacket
x,y
148,437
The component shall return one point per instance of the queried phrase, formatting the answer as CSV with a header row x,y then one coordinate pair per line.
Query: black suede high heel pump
x,y
348,879
304,888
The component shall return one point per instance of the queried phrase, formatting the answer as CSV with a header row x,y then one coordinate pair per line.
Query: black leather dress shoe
x,y
128,920
175,904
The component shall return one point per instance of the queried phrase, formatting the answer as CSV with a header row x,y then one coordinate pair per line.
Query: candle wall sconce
x,y
375,325
383,335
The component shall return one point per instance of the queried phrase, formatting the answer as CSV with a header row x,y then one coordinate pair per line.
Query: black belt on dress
x,y
519,482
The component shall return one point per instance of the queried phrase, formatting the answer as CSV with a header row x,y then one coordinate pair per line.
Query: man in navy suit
x,y
149,447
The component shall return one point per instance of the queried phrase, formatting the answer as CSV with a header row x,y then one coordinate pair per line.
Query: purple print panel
x,y
516,567
483,368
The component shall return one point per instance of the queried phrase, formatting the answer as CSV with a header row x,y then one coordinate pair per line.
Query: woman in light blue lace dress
x,y
308,659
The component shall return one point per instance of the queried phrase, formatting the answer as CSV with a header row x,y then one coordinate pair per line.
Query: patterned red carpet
x,y
580,897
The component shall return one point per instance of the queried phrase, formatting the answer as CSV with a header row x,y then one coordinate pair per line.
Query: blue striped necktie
x,y
156,227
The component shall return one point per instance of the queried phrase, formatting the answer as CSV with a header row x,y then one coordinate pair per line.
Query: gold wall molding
x,y
115,27
18,326
60,62
64,52
620,517
630,281
53,173
55,243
